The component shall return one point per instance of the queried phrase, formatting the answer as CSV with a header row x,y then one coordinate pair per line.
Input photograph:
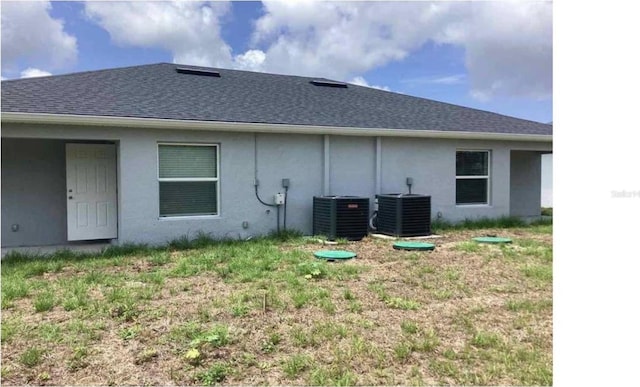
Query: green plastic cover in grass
x,y
334,254
413,246
492,240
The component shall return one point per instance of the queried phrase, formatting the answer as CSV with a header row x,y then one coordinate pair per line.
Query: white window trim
x,y
487,176
196,179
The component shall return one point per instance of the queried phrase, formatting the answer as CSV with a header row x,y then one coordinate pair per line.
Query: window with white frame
x,y
472,176
188,179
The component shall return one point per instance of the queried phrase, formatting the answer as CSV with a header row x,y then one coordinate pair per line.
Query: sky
x,y
494,56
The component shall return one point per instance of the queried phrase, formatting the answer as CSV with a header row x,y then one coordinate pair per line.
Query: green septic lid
x,y
413,246
334,254
492,240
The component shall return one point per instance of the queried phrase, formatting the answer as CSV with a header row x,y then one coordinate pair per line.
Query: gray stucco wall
x,y
525,183
352,170
33,192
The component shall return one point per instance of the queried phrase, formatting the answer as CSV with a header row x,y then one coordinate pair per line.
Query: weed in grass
x,y
327,305
416,377
528,305
328,331
130,332
181,243
538,272
541,227
358,345
336,375
302,339
379,289
343,272
312,270
429,342
248,359
401,303
444,368
217,336
184,268
468,247
239,310
449,354
355,307
83,332
185,332
217,373
9,328
93,277
44,302
442,294
50,332
159,258
13,287
486,340
409,327
193,356
6,304
155,277
426,269
300,299
480,223
269,345
507,288
347,295
295,365
5,372
31,357
76,294
204,315
126,310
202,239
79,358
43,376
286,235
35,269
145,356
452,274
125,249
402,351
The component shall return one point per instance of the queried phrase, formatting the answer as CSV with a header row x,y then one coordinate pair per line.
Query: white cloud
x,y
190,30
32,73
250,60
360,81
455,79
30,33
508,45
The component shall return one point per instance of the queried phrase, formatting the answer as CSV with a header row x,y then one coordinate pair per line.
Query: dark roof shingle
x,y
159,91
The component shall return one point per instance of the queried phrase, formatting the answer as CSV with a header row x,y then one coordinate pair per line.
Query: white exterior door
x,y
92,196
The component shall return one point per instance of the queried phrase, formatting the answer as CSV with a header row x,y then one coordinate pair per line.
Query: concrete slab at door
x,y
92,196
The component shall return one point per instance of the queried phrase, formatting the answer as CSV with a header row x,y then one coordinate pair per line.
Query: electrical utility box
x,y
341,217
404,215
278,198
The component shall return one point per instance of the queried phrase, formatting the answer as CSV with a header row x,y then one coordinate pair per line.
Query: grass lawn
x,y
267,312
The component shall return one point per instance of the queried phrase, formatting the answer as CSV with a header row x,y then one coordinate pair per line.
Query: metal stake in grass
x,y
264,302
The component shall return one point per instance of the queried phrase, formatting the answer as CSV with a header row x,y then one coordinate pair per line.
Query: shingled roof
x,y
159,91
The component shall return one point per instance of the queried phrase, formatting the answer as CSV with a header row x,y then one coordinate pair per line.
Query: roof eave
x,y
155,123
